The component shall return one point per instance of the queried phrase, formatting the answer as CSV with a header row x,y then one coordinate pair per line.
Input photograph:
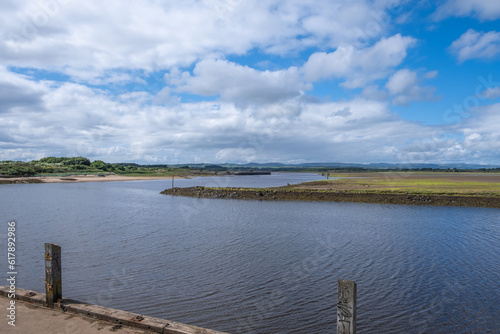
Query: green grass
x,y
72,174
414,186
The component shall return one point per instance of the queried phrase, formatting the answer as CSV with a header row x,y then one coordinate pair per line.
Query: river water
x,y
260,266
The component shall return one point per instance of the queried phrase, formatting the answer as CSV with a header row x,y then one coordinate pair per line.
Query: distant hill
x,y
321,165
82,165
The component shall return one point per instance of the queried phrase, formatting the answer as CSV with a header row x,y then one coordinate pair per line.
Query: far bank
x,y
82,178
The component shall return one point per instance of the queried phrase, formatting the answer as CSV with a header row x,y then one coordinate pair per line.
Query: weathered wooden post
x,y
53,282
346,307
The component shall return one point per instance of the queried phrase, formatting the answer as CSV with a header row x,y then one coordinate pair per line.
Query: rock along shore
x,y
283,194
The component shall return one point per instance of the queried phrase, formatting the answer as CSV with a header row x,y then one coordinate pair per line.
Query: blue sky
x,y
251,81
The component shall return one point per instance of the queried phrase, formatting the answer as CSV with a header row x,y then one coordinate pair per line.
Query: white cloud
x,y
476,45
359,67
89,39
492,93
236,154
431,74
475,140
78,120
373,92
241,84
352,22
260,115
404,86
481,9
482,138
20,93
401,81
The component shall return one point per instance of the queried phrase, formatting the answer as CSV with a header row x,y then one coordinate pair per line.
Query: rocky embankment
x,y
286,194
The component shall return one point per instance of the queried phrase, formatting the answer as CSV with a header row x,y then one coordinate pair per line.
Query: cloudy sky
x,y
251,80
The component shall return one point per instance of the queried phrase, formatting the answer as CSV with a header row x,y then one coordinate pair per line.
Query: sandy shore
x,y
82,178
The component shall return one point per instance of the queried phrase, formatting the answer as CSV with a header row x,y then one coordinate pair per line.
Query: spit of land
x,y
416,188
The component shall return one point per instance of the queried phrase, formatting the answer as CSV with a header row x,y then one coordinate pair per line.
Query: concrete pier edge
x,y
119,317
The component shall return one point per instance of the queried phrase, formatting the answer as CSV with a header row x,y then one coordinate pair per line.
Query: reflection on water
x,y
260,266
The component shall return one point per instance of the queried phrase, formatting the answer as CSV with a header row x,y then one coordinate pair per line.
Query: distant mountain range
x,y
272,165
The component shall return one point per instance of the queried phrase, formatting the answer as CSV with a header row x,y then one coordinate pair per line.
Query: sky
x,y
238,81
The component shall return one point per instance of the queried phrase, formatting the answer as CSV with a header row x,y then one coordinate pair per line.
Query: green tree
x,y
52,160
76,161
101,165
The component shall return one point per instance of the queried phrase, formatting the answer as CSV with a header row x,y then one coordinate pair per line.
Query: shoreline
x,y
312,195
82,178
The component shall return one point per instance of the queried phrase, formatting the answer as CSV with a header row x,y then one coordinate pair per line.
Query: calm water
x,y
260,267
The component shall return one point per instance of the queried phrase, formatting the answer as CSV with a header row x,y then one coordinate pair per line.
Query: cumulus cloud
x,y
88,40
20,92
431,74
359,67
476,45
130,67
372,92
476,139
240,84
481,9
492,93
79,120
404,86
401,81
482,139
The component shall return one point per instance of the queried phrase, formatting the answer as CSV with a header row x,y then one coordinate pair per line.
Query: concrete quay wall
x,y
117,317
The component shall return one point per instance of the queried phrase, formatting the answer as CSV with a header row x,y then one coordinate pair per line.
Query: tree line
x,y
76,165
82,165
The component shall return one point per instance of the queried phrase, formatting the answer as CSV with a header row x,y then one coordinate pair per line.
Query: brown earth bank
x,y
283,194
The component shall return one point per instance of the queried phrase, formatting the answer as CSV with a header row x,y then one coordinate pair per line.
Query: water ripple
x,y
260,267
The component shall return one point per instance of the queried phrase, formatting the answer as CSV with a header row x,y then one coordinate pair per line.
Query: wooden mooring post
x,y
53,282
346,307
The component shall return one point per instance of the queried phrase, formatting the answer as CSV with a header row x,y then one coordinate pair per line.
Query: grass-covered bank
x,y
412,183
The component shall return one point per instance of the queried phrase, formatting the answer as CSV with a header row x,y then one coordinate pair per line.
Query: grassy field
x,y
411,183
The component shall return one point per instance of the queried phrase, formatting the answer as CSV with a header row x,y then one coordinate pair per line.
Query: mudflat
x,y
80,178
